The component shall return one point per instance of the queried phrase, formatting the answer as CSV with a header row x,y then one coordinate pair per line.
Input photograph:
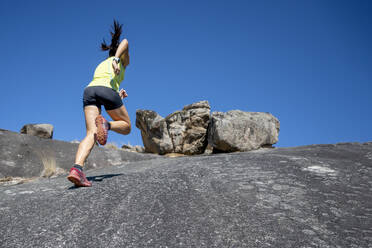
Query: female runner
x,y
103,90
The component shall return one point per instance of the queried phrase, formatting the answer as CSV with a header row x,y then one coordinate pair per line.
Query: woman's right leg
x,y
121,122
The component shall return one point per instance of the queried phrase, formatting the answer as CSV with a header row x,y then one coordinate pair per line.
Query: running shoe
x,y
102,130
78,178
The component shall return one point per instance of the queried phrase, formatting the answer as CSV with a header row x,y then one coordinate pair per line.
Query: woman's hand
x,y
123,94
116,67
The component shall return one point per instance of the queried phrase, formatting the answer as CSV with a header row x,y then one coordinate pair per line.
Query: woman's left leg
x,y
86,145
77,175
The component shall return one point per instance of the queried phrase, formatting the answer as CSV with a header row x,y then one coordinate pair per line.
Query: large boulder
x,y
188,128
154,132
242,131
182,132
39,130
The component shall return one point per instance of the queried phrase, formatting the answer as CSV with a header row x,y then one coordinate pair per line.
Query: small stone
x,y
39,130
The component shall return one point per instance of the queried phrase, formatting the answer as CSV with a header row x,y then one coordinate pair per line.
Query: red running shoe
x,y
78,178
102,130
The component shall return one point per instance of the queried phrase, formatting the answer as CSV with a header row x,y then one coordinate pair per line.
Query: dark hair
x,y
115,39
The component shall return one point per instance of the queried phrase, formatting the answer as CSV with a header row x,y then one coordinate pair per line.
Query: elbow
x,y
124,43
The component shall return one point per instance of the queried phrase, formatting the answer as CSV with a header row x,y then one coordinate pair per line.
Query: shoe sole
x,y
101,134
77,181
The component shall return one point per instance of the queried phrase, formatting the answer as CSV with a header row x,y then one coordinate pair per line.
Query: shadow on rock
x,y
102,177
99,178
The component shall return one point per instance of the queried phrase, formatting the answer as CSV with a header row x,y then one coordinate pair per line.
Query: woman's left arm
x,y
123,94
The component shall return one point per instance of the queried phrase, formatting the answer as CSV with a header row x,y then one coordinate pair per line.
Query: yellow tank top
x,y
104,75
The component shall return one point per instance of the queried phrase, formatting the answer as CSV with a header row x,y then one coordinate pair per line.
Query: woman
x,y
103,90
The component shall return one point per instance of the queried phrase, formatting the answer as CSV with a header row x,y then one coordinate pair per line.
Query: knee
x,y
129,128
91,134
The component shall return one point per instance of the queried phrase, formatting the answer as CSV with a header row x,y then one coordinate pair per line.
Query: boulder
x,y
39,130
242,131
188,128
183,132
154,132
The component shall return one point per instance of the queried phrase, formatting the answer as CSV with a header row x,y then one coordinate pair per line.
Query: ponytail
x,y
115,39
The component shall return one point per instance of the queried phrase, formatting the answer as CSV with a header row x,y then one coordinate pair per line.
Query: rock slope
x,y
312,196
28,156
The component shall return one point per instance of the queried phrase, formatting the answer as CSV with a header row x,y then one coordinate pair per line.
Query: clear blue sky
x,y
309,62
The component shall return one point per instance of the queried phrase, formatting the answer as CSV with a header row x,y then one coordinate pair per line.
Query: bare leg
x,y
121,122
87,144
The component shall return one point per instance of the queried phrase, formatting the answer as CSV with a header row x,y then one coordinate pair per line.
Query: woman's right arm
x,y
123,48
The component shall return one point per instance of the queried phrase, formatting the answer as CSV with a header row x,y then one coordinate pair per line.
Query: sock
x,y
80,168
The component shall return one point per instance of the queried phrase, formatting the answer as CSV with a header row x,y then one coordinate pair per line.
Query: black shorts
x,y
101,95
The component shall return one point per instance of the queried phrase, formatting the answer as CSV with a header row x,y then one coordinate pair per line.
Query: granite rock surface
x,y
312,196
29,156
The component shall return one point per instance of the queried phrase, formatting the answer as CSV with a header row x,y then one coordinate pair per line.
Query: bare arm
x,y
122,49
